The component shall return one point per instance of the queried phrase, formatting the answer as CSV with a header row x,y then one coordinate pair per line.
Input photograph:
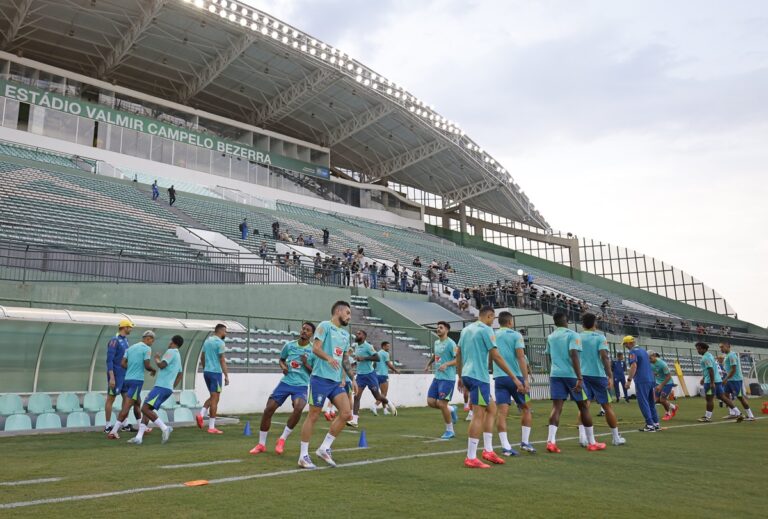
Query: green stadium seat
x,y
99,419
39,403
162,414
188,398
118,404
68,403
78,419
183,414
10,403
170,403
18,422
93,402
48,421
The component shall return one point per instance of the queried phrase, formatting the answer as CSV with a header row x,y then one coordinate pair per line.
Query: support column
x,y
463,218
575,253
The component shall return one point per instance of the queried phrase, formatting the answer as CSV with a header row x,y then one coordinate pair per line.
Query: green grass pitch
x,y
688,470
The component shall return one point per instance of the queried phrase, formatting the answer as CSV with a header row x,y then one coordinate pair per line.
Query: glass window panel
x,y
11,115
85,131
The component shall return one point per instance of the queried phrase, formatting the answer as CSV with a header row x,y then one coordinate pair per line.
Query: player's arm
x,y
447,365
496,357
124,362
606,360
430,362
224,368
520,353
458,368
711,376
576,362
372,358
392,368
632,371
111,350
161,364
178,379
317,349
347,366
731,373
284,366
202,359
148,367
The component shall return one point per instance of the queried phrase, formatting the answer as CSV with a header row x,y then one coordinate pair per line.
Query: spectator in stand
x,y
463,303
417,282
366,270
244,229
396,271
155,191
443,277
434,264
263,250
348,256
309,242
604,306
275,230
447,267
318,266
403,280
374,276
295,260
171,195
300,240
347,269
417,262
326,236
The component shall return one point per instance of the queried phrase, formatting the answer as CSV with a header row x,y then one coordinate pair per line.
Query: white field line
x,y
200,464
28,482
86,497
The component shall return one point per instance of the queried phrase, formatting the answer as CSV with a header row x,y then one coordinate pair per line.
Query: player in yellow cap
x,y
116,372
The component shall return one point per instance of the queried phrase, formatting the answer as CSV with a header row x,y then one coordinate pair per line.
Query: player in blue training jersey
x,y
664,385
116,373
440,392
640,371
733,381
169,375
477,347
135,361
214,366
713,384
565,379
383,367
366,355
330,347
512,349
598,379
296,367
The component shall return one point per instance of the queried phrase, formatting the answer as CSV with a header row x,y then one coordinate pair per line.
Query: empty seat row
x,y
41,403
79,419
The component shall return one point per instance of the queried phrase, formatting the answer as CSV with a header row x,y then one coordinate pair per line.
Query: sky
x,y
641,124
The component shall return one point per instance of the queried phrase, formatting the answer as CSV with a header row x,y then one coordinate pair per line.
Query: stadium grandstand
x,y
184,163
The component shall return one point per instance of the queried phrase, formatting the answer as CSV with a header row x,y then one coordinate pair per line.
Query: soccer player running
x,y
512,349
664,385
294,362
330,347
214,365
734,380
383,368
116,348
713,384
168,377
134,361
443,361
598,378
366,355
566,379
640,371
477,343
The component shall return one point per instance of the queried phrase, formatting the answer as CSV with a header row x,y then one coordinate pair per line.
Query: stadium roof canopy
x,y
232,60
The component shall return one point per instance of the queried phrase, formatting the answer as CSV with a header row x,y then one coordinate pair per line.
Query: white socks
x,y
749,413
286,433
487,442
472,444
736,411
582,434
116,427
504,440
552,435
449,427
263,437
142,430
355,418
590,434
211,422
304,450
708,414
160,424
615,433
202,412
526,434
327,442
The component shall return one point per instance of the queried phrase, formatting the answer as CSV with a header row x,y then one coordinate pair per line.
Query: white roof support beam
x,y
121,49
217,66
353,125
464,193
391,166
17,22
294,96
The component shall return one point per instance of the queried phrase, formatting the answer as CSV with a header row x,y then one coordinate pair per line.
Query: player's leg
x,y
356,401
502,411
723,396
526,421
266,424
342,403
644,402
554,423
488,423
586,419
738,390
128,402
318,391
613,423
582,430
445,411
382,399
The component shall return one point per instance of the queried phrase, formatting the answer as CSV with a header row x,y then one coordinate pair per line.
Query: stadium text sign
x,y
53,101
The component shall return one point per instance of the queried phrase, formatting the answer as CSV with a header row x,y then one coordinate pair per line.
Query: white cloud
x,y
648,118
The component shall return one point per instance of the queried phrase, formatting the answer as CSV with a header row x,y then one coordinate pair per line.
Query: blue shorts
x,y
735,388
283,391
383,379
369,380
596,389
441,389
560,388
119,382
718,389
132,389
212,381
666,390
506,391
157,396
321,388
479,392
348,387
